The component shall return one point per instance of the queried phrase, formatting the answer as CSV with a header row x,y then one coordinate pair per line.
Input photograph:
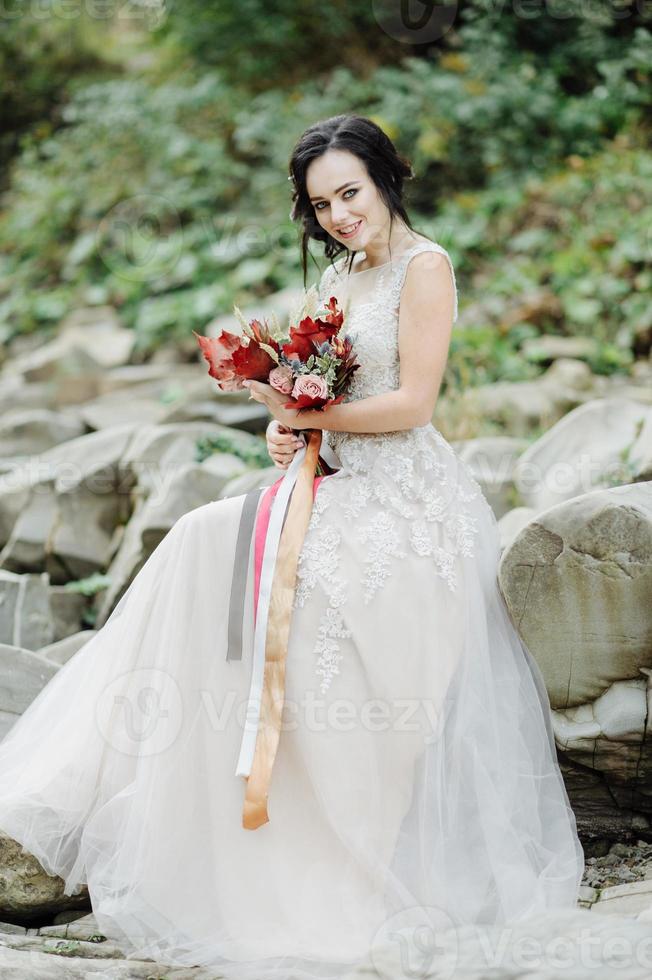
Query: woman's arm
x,y
425,326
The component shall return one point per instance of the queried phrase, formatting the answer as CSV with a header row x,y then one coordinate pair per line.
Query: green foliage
x,y
251,449
163,191
624,471
580,237
90,585
40,57
259,44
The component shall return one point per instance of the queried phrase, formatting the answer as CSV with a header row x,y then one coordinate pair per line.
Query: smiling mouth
x,y
350,229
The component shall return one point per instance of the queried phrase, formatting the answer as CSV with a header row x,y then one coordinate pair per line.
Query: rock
x,y
131,376
63,918
549,347
588,895
62,650
628,899
251,480
584,451
156,450
224,466
522,405
577,581
34,614
58,511
87,342
36,957
25,613
68,610
513,522
158,398
248,416
620,850
176,401
30,431
26,890
569,371
67,510
491,460
184,488
98,330
23,675
53,361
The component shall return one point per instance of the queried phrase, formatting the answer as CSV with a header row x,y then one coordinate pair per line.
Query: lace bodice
x,y
372,299
399,496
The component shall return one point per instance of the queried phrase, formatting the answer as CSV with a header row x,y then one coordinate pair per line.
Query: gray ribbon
x,y
240,568
239,577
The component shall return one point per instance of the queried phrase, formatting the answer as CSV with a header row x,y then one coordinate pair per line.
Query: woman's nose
x,y
339,216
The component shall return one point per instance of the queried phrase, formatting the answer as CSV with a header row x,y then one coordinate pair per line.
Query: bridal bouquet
x,y
310,362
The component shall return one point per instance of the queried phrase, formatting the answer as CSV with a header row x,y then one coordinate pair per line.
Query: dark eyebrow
x,y
337,190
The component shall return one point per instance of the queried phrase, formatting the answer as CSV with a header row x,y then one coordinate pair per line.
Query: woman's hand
x,y
274,401
282,444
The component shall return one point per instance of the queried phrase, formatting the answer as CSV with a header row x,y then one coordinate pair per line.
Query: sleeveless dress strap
x,y
402,267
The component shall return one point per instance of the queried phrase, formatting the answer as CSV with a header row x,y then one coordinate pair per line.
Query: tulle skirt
x,y
416,777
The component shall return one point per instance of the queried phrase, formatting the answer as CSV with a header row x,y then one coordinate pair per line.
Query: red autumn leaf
x,y
260,332
252,362
219,352
233,359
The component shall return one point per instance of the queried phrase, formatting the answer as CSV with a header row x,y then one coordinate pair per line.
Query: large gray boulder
x,y
183,488
58,511
23,675
604,442
25,611
27,892
66,511
577,581
522,406
26,432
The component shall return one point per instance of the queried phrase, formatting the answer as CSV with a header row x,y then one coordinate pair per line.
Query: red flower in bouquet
x,y
234,358
313,332
312,364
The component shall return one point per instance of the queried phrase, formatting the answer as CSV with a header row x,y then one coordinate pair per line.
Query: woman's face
x,y
346,201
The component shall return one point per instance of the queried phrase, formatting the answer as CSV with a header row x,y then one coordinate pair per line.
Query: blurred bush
x,y
160,185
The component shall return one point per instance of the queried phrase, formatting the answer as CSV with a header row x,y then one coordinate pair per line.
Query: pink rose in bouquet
x,y
281,379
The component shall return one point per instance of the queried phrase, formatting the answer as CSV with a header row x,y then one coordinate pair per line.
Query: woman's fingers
x,y
282,444
283,440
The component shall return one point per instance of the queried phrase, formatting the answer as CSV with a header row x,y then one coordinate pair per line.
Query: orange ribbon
x,y
276,639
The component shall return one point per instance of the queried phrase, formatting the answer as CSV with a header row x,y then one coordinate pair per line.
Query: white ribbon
x,y
272,540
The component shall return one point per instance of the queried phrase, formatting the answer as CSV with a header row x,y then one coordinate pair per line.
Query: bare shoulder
x,y
429,268
430,281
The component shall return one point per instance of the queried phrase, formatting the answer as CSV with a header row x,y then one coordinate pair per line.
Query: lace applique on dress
x,y
406,490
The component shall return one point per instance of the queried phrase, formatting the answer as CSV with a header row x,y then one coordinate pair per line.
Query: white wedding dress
x,y
416,773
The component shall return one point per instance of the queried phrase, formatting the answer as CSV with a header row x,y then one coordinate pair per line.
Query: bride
x,y
416,778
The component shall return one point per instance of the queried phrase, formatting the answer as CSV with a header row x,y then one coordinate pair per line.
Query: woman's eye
x,y
351,190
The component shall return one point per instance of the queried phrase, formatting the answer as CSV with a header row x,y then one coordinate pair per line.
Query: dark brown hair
x,y
386,167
